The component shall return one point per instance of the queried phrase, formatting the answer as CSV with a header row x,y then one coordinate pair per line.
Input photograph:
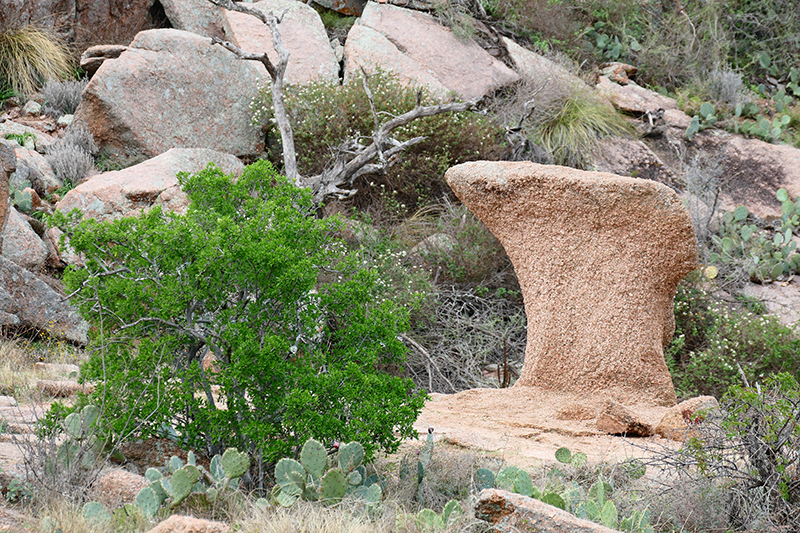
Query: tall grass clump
x,y
570,131
30,55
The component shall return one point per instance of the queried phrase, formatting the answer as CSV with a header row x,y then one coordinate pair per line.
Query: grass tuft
x,y
29,56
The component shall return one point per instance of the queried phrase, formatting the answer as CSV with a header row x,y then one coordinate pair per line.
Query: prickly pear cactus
x,y
350,456
290,476
484,478
333,486
94,512
147,502
314,458
234,463
182,481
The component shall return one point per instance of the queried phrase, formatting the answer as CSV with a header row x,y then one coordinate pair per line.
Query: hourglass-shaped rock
x,y
598,257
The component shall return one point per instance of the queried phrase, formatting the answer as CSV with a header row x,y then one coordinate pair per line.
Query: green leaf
x,y
564,455
551,498
740,213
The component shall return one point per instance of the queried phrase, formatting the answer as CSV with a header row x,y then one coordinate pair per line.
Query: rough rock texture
x,y
111,21
63,388
633,98
598,258
8,164
20,243
188,524
126,192
52,15
781,298
311,56
33,303
94,56
515,512
677,423
345,7
117,487
197,16
43,140
33,168
534,67
172,89
630,157
616,419
465,68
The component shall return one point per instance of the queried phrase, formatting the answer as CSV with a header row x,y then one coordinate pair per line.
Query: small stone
x,y
32,108
616,419
65,120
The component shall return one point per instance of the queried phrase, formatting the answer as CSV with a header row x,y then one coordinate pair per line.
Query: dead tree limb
x,y
353,159
276,73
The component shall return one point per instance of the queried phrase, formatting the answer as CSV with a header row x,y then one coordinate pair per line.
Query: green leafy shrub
x,y
295,325
29,56
324,114
712,341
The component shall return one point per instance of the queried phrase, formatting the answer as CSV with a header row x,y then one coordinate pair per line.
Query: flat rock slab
x,y
311,56
172,89
112,195
422,48
598,258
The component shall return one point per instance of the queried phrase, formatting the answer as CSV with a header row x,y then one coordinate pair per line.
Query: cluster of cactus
x,y
594,504
764,128
310,478
768,254
705,119
169,491
416,473
429,520
20,198
82,447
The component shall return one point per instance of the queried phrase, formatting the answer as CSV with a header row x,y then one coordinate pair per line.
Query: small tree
x,y
297,328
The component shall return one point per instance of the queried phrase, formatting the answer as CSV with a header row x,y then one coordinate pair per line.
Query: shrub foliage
x,y
297,327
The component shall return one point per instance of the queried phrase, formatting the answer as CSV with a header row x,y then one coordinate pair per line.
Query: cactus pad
x,y
95,512
333,486
211,494
484,478
564,455
216,468
152,474
287,473
314,458
354,478
182,481
452,510
72,426
350,456
234,463
89,416
427,519
147,502
175,463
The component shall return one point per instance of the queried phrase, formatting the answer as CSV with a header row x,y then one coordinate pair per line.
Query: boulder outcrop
x,y
598,258
27,301
514,512
20,244
172,89
197,16
422,49
126,192
311,56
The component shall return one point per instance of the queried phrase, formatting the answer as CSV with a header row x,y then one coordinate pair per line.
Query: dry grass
x,y
31,55
17,378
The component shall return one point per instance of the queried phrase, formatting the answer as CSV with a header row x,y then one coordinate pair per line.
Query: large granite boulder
x,y
311,56
120,193
8,164
598,258
26,300
20,244
33,168
172,89
197,16
418,48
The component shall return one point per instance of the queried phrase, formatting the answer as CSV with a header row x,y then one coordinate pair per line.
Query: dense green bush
x,y
324,114
297,326
713,339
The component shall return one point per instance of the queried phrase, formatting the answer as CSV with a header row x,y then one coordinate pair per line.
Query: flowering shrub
x,y
324,114
712,341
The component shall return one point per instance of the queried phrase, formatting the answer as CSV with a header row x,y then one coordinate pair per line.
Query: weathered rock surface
x,y
310,54
598,258
8,164
172,89
630,157
117,487
188,524
677,423
197,16
94,56
616,419
33,168
515,512
534,67
781,298
20,243
433,51
112,21
62,388
126,192
52,15
32,302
